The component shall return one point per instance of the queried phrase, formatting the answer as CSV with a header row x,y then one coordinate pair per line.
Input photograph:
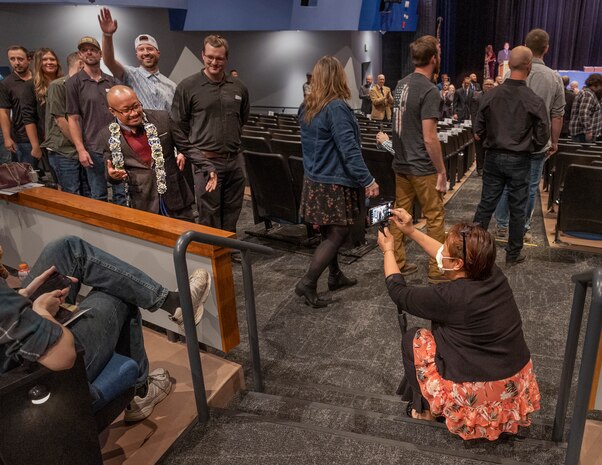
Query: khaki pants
x,y
407,189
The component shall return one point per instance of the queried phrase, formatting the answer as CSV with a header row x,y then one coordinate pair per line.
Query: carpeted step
x,y
235,438
428,436
541,427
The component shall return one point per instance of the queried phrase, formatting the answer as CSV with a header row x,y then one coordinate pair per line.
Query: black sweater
x,y
476,325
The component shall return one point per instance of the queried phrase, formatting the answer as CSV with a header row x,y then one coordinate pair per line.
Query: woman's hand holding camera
x,y
385,240
403,220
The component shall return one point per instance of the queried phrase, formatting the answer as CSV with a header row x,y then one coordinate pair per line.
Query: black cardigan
x,y
476,325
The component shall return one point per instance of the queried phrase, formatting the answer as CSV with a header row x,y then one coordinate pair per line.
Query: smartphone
x,y
379,213
55,281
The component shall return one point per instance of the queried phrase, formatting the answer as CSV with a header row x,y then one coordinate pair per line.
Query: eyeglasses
x,y
129,110
210,58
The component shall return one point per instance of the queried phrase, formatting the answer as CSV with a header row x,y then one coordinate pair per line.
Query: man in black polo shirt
x,y
512,122
210,109
88,114
17,95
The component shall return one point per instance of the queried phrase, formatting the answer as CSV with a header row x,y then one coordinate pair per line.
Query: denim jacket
x,y
332,151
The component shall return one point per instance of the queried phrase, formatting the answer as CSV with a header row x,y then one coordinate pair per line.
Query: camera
x,y
379,214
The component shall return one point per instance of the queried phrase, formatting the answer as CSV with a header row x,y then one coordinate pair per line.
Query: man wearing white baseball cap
x,y
154,90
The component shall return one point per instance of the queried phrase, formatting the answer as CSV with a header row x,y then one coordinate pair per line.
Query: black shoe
x,y
511,261
339,281
311,295
409,409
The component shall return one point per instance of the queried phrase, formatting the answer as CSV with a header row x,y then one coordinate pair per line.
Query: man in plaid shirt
x,y
586,118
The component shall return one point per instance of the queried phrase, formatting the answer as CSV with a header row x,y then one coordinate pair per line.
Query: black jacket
x,y
142,183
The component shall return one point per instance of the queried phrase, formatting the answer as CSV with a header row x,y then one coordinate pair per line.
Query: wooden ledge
x,y
147,226
151,228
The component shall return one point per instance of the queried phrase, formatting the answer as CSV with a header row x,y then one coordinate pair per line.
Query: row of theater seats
x,y
573,178
272,152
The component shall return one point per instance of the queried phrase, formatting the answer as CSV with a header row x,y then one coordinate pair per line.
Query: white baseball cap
x,y
143,39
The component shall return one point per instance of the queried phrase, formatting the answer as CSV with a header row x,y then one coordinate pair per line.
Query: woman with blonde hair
x,y
335,173
47,68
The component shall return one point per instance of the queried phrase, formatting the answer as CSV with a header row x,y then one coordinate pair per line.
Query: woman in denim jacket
x,y
334,174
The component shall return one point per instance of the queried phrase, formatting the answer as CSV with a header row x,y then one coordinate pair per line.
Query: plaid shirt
x,y
24,335
585,114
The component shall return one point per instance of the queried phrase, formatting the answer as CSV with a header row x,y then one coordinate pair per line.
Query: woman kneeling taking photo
x,y
474,368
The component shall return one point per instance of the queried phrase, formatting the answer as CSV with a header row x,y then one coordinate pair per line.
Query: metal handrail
x,y
582,281
192,342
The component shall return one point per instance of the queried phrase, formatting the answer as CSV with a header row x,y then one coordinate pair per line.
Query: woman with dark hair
x,y
473,368
335,173
489,62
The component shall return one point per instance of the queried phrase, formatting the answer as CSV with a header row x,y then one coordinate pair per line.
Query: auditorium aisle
x,y
331,373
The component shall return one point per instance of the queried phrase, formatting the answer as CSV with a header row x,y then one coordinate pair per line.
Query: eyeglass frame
x,y
128,111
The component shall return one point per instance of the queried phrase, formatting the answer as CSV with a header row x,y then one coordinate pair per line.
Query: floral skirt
x,y
329,203
475,410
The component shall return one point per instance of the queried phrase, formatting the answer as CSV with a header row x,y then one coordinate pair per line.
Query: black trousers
x,y
480,151
410,390
221,207
503,169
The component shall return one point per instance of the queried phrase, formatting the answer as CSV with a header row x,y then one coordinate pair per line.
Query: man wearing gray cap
x,y
88,113
154,90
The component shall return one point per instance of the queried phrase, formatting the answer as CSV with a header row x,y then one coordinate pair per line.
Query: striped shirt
x,y
154,90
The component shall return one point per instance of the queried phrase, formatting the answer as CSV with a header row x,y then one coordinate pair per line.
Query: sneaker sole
x,y
204,298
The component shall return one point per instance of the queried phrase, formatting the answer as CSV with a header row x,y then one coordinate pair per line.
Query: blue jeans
x,y
23,154
96,177
503,169
68,172
502,211
118,289
119,197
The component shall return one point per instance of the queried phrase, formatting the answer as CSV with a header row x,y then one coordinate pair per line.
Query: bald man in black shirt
x,y
512,122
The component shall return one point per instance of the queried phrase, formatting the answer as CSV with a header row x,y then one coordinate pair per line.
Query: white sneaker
x,y
200,286
159,385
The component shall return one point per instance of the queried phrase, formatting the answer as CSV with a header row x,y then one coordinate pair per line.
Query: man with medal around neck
x,y
139,167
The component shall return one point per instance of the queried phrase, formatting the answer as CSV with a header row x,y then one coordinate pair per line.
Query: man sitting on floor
x,y
139,151
28,330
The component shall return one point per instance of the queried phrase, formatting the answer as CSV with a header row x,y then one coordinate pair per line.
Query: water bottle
x,y
23,272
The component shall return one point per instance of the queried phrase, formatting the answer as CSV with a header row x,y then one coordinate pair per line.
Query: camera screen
x,y
379,213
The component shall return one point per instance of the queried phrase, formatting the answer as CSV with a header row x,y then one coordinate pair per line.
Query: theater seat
x,y
560,163
580,212
287,148
379,163
272,192
49,416
255,144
